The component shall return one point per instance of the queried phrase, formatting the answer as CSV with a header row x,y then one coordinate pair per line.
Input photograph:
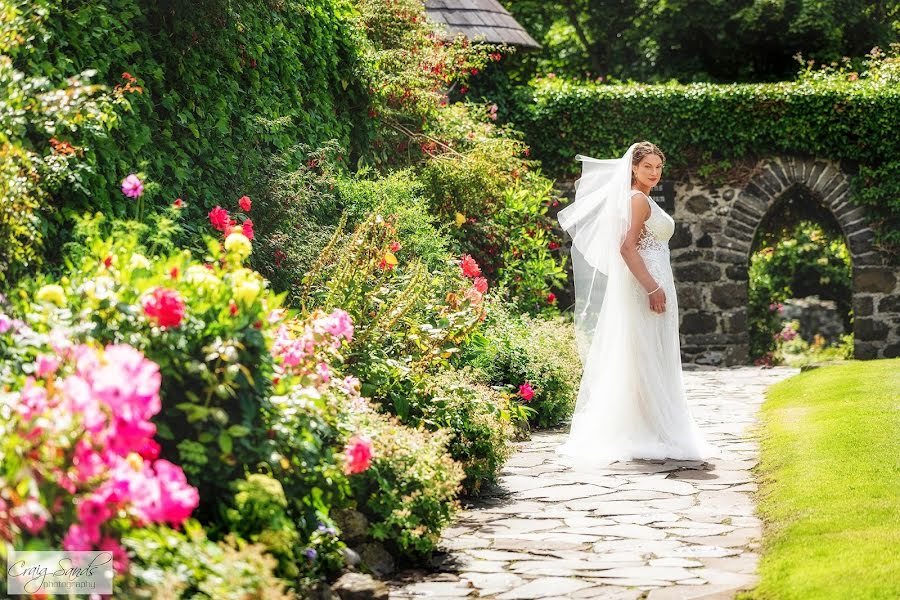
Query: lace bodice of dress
x,y
658,228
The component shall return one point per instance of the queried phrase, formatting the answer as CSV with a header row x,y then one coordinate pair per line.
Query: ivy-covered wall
x,y
223,84
707,129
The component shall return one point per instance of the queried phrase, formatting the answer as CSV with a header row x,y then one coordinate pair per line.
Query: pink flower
x,y
472,295
395,246
5,323
164,307
219,219
46,365
324,372
358,455
80,537
31,516
481,284
245,203
120,557
470,267
93,512
247,229
339,324
526,392
132,186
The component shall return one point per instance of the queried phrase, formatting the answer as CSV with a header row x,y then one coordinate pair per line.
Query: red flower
x,y
107,262
232,308
470,267
164,307
553,245
174,273
474,71
463,90
395,246
245,203
219,218
526,392
179,203
551,298
247,229
481,284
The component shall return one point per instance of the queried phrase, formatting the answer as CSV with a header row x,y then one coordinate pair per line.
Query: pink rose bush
x,y
81,421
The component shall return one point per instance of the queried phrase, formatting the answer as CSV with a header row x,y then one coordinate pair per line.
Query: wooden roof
x,y
479,20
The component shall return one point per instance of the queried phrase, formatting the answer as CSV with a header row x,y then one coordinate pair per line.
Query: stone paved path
x,y
655,530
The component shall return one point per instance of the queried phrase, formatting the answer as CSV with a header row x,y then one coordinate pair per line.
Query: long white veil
x,y
597,221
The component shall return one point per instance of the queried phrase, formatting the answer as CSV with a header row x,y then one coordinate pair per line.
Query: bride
x,y
631,402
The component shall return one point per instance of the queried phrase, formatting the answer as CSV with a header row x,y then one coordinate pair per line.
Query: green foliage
x,y
32,173
170,565
805,262
409,492
734,40
498,202
835,115
217,89
259,515
478,417
515,349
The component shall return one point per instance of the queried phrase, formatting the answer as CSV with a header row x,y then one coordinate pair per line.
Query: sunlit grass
x,y
830,484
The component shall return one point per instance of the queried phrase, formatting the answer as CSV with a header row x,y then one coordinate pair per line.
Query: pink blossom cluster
x,y
786,334
297,349
101,402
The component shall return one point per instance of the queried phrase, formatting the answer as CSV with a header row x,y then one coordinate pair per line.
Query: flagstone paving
x,y
654,530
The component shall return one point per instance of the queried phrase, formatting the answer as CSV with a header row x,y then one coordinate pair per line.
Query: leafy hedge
x,y
219,87
704,127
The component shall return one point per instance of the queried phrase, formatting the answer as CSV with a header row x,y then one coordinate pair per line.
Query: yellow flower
x,y
53,294
201,277
246,286
460,219
135,461
139,261
239,245
389,258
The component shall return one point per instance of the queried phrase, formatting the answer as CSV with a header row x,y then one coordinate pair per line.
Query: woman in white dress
x,y
631,402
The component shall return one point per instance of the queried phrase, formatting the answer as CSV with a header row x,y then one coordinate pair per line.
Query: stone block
x,y
729,295
698,322
698,204
870,329
681,238
887,304
863,306
874,280
737,272
698,272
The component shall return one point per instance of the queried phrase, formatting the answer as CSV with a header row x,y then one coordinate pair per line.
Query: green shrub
x,y
478,418
170,565
514,350
409,491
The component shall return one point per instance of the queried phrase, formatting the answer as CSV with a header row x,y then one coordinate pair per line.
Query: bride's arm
x,y
640,212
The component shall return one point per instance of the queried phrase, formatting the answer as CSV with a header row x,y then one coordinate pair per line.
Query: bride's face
x,y
649,171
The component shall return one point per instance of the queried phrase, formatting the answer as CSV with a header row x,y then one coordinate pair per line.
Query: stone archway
x,y
712,244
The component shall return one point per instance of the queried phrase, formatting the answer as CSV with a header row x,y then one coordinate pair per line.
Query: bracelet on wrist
x,y
657,287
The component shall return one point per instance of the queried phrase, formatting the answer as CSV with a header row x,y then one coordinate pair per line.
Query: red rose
x,y
219,219
551,298
179,203
247,229
107,262
470,267
553,245
232,307
395,246
245,203
164,307
481,284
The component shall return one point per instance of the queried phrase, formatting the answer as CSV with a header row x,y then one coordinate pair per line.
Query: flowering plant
x,y
79,461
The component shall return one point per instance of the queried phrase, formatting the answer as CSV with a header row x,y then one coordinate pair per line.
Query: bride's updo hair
x,y
643,149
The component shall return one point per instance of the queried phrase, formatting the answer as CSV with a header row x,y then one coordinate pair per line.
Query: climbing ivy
x,y
706,129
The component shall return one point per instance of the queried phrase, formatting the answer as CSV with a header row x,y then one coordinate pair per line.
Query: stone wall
x,y
711,248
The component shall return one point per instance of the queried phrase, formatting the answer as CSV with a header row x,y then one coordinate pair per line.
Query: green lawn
x,y
830,484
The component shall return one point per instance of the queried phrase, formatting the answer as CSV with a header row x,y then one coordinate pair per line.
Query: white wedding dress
x,y
631,402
